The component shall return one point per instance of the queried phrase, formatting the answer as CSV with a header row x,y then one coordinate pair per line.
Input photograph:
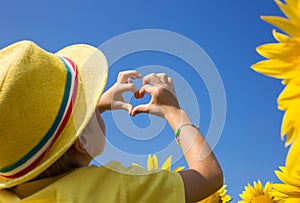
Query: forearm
x,y
193,144
198,155
103,104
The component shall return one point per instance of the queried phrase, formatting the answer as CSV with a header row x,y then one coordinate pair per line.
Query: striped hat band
x,y
36,155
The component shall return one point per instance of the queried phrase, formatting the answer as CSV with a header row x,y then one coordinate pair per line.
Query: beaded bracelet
x,y
179,130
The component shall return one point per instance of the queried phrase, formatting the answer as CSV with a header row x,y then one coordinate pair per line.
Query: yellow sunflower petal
x,y
284,24
275,68
293,159
222,193
288,96
291,136
217,197
293,3
293,200
289,11
267,188
293,80
222,190
260,187
180,168
285,178
279,36
255,186
214,198
226,198
257,193
288,190
150,163
283,169
290,123
167,164
251,189
286,124
246,196
284,64
282,50
279,196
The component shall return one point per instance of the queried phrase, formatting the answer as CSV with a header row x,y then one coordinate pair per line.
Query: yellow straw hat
x,y
46,100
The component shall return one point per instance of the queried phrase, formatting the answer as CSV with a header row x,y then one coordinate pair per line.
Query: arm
x,y
204,176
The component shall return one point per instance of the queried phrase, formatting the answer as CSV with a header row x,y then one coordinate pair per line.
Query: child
x,y
51,128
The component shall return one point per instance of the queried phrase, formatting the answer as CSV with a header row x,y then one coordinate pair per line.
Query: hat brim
x,y
93,71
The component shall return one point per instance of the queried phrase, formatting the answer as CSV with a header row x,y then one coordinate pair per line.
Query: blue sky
x,y
228,31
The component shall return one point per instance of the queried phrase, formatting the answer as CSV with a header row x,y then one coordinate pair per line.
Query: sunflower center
x,y
262,199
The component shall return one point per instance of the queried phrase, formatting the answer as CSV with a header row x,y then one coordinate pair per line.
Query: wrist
x,y
176,118
172,113
102,106
104,103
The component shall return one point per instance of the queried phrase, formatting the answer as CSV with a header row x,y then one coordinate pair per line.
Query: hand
x,y
112,99
163,94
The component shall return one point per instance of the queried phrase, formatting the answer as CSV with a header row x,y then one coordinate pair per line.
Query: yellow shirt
x,y
107,184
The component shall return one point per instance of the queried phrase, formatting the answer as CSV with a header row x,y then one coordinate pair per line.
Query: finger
x,y
128,107
130,74
163,77
124,75
151,78
122,105
171,85
173,91
137,94
146,89
121,88
144,108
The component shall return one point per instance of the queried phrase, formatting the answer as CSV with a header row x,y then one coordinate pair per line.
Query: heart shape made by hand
x,y
158,86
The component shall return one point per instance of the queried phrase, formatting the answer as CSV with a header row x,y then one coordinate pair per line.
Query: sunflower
x,y
289,191
283,62
152,164
292,160
257,193
218,197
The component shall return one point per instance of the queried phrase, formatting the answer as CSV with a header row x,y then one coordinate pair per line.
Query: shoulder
x,y
125,175
113,168
131,184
